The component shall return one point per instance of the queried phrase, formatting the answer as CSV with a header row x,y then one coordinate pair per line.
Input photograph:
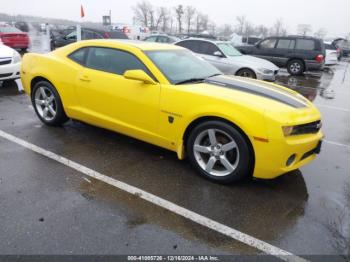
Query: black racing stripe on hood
x,y
255,90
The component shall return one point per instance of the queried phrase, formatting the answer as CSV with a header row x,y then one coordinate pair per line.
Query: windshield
x,y
228,49
181,65
9,29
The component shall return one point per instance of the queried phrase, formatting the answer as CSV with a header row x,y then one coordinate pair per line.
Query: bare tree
x,y
320,33
304,29
277,28
166,18
142,13
248,29
179,15
190,12
226,30
159,17
151,18
241,23
262,30
204,21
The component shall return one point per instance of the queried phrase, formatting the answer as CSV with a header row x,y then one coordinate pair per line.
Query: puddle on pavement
x,y
270,223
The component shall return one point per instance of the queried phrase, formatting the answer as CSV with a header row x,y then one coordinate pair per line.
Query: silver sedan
x,y
229,60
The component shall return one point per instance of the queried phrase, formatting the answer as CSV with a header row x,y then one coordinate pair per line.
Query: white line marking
x,y
336,144
334,107
197,218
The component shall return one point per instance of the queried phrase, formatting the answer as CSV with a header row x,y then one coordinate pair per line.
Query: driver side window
x,y
114,61
207,48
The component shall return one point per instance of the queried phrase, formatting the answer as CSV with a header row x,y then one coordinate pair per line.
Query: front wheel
x,y
246,73
47,104
219,152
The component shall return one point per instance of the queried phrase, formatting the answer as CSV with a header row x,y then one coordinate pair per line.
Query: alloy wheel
x,y
216,152
45,103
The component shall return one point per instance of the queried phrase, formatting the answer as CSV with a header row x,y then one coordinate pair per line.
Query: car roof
x,y
145,46
203,39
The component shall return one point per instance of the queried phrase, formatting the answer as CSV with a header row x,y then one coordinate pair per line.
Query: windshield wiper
x,y
218,74
191,80
196,80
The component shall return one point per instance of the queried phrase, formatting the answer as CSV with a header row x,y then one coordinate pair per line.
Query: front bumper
x,y
10,71
271,157
267,77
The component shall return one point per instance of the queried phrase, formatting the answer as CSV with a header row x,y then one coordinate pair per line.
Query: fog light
x,y
291,160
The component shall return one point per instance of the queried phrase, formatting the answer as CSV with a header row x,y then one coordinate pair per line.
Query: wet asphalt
x,y
47,208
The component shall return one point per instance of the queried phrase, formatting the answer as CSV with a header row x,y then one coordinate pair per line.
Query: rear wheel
x,y
246,73
219,152
295,67
47,104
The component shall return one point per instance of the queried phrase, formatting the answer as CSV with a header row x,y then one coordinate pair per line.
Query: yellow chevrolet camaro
x,y
228,127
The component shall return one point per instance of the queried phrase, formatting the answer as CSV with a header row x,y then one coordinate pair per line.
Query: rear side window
x,y
268,43
163,39
151,39
113,61
191,45
305,44
285,44
79,56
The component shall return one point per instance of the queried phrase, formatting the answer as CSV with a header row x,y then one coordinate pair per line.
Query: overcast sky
x,y
334,16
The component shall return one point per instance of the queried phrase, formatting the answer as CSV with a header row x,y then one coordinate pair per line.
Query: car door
x,y
266,49
108,99
211,53
283,51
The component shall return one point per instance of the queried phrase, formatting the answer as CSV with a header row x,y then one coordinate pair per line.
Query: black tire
x,y
60,117
245,72
24,50
8,83
52,46
295,67
244,166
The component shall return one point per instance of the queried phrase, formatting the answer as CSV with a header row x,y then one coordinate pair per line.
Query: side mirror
x,y
218,54
139,75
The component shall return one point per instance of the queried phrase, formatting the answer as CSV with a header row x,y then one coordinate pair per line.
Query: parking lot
x,y
50,208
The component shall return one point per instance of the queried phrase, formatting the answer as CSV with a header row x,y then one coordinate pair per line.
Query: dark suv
x,y
297,53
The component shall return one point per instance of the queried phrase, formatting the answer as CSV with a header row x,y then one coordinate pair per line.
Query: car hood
x,y
253,62
6,51
275,102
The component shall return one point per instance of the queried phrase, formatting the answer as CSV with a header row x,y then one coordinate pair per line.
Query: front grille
x,y
5,75
5,62
309,128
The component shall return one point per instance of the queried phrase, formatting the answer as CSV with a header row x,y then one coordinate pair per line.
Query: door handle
x,y
84,78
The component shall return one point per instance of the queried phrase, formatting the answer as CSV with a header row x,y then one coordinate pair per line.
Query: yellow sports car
x,y
228,127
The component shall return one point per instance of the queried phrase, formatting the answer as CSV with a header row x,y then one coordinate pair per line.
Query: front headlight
x,y
288,130
265,71
16,57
